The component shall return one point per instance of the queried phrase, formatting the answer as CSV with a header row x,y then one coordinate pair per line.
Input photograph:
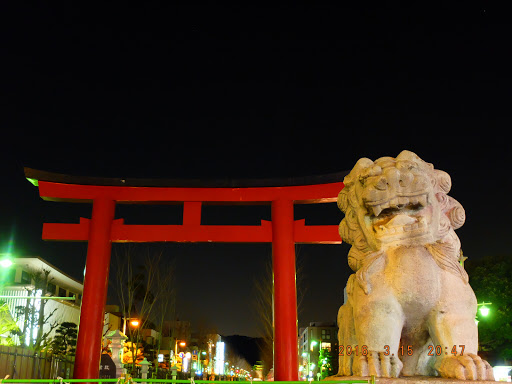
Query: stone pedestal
x,y
408,380
117,339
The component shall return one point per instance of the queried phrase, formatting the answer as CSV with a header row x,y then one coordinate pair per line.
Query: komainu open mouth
x,y
398,203
401,215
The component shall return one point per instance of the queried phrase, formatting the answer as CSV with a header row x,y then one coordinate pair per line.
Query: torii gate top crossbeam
x,y
193,194
59,187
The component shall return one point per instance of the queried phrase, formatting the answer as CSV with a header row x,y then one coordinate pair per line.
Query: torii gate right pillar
x,y
285,293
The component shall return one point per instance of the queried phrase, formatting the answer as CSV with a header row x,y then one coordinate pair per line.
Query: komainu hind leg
x,y
454,331
346,337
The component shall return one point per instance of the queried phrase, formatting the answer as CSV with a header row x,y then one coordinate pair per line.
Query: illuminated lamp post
x,y
134,322
484,311
310,365
5,263
308,355
301,368
182,344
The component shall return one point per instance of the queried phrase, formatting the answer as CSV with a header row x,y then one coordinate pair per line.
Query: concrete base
x,y
409,380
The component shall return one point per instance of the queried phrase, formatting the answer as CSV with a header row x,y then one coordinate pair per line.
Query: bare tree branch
x,y
263,303
142,292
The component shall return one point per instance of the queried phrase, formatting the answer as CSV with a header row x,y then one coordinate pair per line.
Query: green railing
x,y
370,380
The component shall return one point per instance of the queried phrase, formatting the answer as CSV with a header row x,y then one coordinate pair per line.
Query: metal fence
x,y
23,363
20,365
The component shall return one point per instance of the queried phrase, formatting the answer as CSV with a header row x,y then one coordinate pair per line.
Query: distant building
x,y
317,336
113,320
205,348
18,281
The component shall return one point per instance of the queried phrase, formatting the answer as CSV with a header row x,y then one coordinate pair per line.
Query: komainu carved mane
x,y
372,194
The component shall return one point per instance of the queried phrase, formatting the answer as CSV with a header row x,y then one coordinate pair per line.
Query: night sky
x,y
223,91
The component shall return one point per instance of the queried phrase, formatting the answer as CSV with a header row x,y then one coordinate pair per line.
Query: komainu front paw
x,y
377,364
467,367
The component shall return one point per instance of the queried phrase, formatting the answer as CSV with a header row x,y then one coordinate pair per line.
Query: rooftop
x,y
36,264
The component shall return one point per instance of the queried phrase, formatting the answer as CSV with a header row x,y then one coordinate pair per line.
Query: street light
x,y
308,355
484,311
134,322
312,366
182,344
5,263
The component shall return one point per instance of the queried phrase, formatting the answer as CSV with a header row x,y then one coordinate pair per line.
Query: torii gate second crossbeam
x,y
103,229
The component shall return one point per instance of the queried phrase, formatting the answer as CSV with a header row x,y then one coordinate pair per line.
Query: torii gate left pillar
x,y
95,288
102,230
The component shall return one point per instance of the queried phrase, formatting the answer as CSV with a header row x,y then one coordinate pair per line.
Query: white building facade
x,y
22,292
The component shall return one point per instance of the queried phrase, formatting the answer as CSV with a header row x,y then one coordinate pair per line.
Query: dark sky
x,y
223,91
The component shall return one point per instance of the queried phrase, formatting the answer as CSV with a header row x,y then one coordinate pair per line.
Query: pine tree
x,y
64,342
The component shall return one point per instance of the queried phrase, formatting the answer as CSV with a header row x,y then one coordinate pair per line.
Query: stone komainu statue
x,y
410,310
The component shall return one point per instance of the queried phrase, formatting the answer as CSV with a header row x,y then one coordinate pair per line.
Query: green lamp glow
x,y
484,311
5,263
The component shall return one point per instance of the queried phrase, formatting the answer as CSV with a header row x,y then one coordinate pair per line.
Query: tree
x,y
145,292
238,363
490,279
132,353
37,324
165,306
64,342
264,306
7,325
325,365
205,334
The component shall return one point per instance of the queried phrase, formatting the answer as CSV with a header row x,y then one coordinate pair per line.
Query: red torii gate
x,y
102,229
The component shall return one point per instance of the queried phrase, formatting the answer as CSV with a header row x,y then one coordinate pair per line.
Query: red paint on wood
x,y
192,213
305,234
88,351
318,193
101,230
315,234
194,233
285,297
